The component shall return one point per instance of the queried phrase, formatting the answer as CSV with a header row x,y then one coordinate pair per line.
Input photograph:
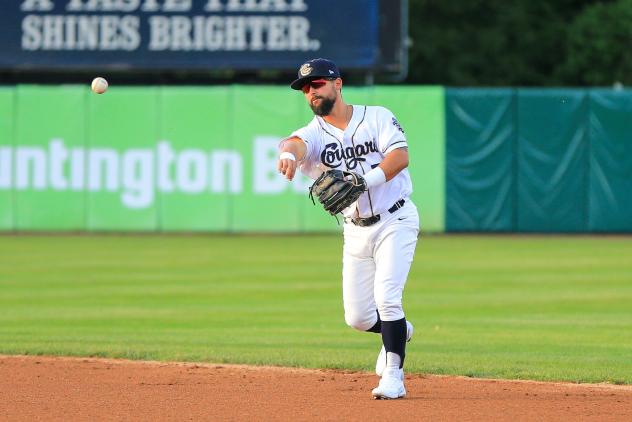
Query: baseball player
x,y
381,227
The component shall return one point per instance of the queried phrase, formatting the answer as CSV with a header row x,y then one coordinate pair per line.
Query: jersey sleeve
x,y
390,133
309,135
310,164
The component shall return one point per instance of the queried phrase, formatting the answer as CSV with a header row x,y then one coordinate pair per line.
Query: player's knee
x,y
390,310
360,322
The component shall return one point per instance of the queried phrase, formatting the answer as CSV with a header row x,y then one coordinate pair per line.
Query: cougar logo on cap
x,y
305,70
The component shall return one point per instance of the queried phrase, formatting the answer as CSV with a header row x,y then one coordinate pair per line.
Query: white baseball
x,y
99,85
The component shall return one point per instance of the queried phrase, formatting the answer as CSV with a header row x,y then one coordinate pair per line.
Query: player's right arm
x,y
287,163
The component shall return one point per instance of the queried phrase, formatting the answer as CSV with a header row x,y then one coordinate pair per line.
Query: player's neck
x,y
340,115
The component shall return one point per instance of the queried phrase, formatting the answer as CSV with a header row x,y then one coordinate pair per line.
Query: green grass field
x,y
533,307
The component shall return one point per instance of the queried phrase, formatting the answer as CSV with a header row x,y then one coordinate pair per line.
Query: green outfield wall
x,y
183,158
203,159
539,160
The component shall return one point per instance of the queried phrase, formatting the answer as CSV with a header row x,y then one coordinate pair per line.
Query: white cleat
x,y
391,386
380,363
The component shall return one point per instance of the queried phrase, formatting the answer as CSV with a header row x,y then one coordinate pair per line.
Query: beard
x,y
325,107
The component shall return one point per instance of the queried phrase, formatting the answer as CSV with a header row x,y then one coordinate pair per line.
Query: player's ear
x,y
338,84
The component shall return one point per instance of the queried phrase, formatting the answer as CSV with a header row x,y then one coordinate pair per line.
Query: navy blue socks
x,y
394,337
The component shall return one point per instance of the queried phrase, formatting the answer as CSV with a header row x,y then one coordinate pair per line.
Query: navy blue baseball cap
x,y
315,69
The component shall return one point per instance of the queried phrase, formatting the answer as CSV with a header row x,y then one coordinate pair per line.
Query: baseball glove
x,y
337,189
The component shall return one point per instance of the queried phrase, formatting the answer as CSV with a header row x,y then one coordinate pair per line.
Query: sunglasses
x,y
316,83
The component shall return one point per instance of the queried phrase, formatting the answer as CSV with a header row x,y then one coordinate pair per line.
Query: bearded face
x,y
321,96
322,106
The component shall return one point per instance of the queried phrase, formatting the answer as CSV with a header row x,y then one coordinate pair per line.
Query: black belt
x,y
369,221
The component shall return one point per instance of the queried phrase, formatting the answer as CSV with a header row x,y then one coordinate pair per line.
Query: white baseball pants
x,y
375,265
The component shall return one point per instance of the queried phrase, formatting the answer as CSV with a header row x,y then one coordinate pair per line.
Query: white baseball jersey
x,y
372,133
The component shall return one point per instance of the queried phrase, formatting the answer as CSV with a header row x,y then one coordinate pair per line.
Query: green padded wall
x,y
480,159
421,112
610,161
552,160
7,144
539,160
151,158
195,166
122,132
49,166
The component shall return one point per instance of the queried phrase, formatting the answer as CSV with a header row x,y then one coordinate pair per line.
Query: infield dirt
x,y
53,388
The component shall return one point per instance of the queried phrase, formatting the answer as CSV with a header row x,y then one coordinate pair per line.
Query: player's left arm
x,y
391,141
394,162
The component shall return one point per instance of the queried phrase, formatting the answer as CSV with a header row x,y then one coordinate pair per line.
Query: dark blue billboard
x,y
186,34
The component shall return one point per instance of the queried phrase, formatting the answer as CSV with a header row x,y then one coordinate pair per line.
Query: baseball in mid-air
x,y
99,85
